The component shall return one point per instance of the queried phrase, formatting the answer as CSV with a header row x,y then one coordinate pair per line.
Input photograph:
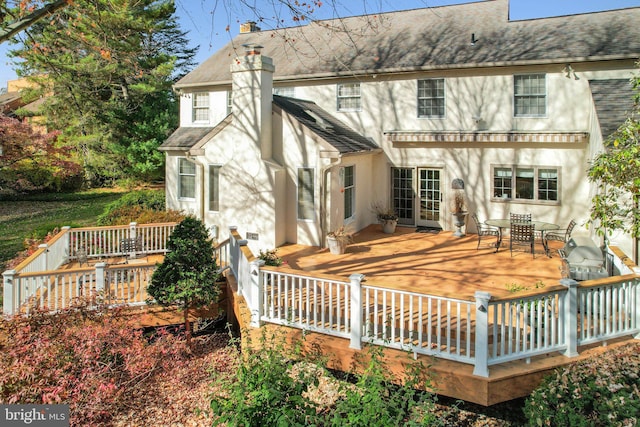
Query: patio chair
x,y
522,235
559,235
486,231
522,218
81,256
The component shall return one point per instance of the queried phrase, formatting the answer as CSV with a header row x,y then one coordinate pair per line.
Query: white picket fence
x,y
482,332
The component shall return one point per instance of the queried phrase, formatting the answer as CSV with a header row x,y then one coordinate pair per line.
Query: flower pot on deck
x,y
389,226
337,245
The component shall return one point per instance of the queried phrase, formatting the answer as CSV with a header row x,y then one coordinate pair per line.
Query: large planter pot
x,y
459,221
337,246
389,226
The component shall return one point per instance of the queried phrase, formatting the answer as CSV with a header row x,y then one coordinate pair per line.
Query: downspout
x,y
200,168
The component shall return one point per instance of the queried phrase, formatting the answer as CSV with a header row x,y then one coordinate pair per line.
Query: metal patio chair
x,y
522,235
559,235
486,231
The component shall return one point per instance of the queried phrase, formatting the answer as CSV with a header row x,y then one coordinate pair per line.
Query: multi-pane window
x,y
530,95
349,97
200,109
285,91
526,183
214,187
186,179
229,102
349,192
306,199
431,98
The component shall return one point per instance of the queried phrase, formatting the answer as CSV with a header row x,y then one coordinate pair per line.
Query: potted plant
x,y
338,240
459,210
387,217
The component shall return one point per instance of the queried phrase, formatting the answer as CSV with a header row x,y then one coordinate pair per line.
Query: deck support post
x,y
100,276
8,302
570,305
481,367
356,310
256,292
45,255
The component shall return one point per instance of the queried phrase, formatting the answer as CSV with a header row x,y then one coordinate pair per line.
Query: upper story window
x,y
229,102
529,95
306,201
431,98
285,91
526,183
200,107
186,179
349,192
349,97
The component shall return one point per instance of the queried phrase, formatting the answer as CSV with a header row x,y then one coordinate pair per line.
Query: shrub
x,y
279,384
595,392
270,257
80,357
137,205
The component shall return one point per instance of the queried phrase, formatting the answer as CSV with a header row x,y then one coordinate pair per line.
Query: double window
x,y
200,107
530,95
526,183
186,179
431,98
349,97
349,191
306,196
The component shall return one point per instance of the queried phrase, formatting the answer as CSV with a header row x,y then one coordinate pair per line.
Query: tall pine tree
x,y
105,69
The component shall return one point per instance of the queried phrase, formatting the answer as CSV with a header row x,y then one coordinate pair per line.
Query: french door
x,y
429,198
417,196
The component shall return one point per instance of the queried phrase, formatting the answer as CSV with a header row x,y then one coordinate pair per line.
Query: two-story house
x,y
288,134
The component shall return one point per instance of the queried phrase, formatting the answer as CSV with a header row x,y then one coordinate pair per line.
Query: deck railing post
x,y
100,276
636,301
256,292
234,255
45,256
133,234
66,243
570,306
481,367
8,306
356,310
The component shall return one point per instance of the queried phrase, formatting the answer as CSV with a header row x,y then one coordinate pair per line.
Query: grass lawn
x,y
36,215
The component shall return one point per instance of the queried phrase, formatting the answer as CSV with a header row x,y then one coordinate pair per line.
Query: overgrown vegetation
x,y
600,391
85,358
274,385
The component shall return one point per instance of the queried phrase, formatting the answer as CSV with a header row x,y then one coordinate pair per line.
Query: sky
x,y
207,27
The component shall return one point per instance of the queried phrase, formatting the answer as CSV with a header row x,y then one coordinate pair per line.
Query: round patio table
x,y
540,226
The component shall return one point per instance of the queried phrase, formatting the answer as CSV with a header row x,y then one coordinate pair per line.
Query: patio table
x,y
540,226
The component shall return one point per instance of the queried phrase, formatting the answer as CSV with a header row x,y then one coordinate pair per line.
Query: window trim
x,y
545,95
358,97
536,186
312,193
181,174
349,189
444,99
195,108
215,168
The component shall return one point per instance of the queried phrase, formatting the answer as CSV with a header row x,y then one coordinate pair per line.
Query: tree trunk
x,y
187,326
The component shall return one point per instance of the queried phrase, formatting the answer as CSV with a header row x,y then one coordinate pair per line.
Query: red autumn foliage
x,y
88,359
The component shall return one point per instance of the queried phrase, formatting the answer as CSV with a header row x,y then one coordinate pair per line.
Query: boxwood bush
x,y
600,391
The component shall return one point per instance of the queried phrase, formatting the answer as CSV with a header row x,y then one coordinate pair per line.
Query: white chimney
x,y
252,86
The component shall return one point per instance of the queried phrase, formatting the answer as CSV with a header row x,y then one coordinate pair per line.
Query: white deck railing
x,y
482,332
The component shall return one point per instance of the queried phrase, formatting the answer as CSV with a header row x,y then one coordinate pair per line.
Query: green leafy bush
x,y
85,358
270,257
600,391
142,206
274,385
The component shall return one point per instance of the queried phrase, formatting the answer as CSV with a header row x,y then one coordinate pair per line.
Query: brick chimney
x,y
249,27
252,86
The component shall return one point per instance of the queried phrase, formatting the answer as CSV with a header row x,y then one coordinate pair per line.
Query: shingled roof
x,y
613,99
340,136
430,38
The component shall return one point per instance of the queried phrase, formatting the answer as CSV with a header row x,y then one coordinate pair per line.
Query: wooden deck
x,y
435,264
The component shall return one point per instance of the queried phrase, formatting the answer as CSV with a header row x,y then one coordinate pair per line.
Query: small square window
x,y
349,98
